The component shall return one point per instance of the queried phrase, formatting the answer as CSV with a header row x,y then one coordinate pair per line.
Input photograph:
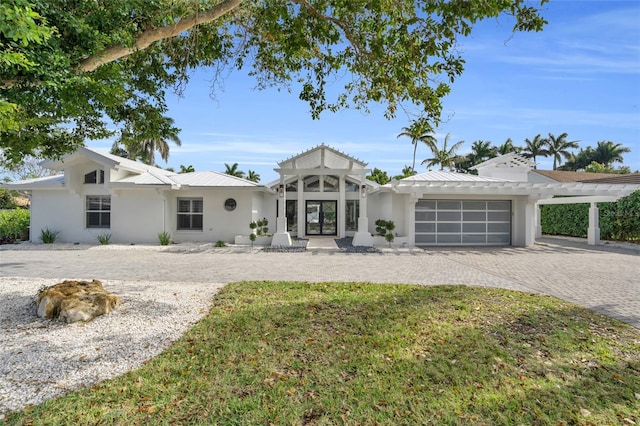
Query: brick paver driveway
x,y
604,279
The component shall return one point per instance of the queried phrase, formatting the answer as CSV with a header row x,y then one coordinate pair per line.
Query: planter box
x,y
243,240
379,241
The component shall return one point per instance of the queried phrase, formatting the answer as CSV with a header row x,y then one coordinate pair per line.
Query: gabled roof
x,y
322,156
507,160
104,158
47,182
442,176
569,176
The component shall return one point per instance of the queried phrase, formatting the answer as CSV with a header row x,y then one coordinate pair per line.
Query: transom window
x,y
190,214
96,176
98,211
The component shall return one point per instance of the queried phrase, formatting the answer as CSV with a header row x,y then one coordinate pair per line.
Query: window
x,y
94,177
190,214
352,211
230,204
98,211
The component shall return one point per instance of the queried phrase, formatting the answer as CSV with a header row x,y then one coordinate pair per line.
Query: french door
x,y
322,218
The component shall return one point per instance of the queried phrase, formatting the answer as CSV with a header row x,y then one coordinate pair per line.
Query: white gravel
x,y
41,359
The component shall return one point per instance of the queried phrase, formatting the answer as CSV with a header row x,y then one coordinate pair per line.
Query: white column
x,y
341,209
410,219
281,237
538,215
302,211
593,233
362,237
529,223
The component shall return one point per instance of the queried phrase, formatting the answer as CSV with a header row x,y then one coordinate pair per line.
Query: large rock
x,y
73,301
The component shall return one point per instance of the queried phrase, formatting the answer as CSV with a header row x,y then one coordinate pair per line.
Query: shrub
x,y
220,243
13,224
164,238
259,227
48,236
385,228
6,199
618,221
104,238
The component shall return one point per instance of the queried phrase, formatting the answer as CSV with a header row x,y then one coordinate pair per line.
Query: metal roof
x,y
442,176
212,179
322,156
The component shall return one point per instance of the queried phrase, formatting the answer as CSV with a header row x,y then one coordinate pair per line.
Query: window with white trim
x,y
190,214
98,211
96,176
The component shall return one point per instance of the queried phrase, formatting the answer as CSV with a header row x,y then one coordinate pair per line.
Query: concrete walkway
x,y
604,278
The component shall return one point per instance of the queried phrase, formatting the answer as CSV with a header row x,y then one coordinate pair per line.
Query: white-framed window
x,y
96,176
190,214
98,211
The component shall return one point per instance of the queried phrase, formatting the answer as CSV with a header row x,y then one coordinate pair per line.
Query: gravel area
x,y
42,359
346,245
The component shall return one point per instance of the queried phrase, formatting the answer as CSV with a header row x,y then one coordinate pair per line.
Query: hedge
x,y
13,224
619,221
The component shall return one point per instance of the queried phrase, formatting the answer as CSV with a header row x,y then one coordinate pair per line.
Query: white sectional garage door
x,y
463,222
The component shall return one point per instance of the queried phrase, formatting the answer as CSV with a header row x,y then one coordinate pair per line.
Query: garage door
x,y
462,222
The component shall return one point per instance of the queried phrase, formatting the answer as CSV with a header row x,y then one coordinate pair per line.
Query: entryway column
x,y
281,237
538,221
362,237
410,219
593,233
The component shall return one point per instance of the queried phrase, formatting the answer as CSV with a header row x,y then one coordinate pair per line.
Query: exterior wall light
x,y
363,191
281,190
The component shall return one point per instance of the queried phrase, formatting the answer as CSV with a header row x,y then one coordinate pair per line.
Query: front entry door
x,y
322,218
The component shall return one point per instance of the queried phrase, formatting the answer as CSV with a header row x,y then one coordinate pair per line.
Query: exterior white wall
x,y
538,178
516,174
137,216
217,223
59,211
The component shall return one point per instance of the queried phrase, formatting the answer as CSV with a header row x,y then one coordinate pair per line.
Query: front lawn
x,y
287,353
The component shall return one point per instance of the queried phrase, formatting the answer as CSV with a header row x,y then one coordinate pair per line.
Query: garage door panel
x,y
462,222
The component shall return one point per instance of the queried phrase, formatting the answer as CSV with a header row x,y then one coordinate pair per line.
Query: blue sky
x,y
581,75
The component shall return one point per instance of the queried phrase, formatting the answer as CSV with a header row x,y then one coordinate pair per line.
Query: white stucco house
x,y
320,192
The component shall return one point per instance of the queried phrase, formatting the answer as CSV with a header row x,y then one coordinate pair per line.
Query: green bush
x,y
618,221
13,224
104,238
6,199
48,236
164,238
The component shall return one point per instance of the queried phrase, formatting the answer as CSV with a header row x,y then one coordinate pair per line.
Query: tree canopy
x,y
72,71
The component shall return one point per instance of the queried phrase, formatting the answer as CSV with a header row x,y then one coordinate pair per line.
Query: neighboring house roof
x,y
507,160
322,156
569,176
442,176
633,178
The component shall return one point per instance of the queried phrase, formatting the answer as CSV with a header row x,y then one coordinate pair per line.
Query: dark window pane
x,y
196,221
196,206
184,206
90,177
184,221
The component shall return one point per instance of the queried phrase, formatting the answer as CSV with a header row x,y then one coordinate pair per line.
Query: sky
x,y
581,75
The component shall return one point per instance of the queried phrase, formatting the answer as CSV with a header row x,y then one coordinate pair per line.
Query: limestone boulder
x,y
73,301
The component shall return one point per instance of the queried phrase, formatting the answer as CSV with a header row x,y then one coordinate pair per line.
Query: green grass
x,y
353,353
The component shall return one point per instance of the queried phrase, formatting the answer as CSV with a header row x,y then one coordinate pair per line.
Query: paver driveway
x,y
604,279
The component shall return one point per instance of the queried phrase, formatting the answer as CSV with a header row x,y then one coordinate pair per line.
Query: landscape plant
x,y
13,224
385,229
104,238
220,243
48,236
165,238
360,353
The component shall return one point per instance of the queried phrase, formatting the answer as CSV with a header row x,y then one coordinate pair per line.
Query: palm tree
x,y
407,171
418,132
139,146
444,157
481,151
607,153
253,176
508,147
534,148
233,170
559,147
186,169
